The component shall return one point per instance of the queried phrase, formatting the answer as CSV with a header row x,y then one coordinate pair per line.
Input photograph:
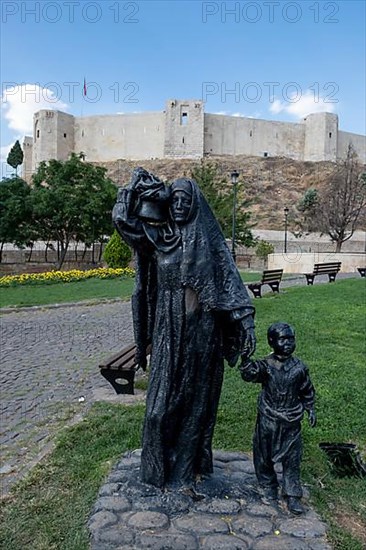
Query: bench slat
x,y
124,360
116,356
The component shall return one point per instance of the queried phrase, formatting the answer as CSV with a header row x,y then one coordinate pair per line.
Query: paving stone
x,y
169,503
219,464
135,489
318,544
242,466
119,535
262,510
167,542
118,476
108,489
129,461
219,506
302,527
253,526
149,520
6,469
280,542
229,542
101,519
201,524
112,504
228,456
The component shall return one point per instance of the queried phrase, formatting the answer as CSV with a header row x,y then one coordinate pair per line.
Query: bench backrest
x,y
271,275
328,267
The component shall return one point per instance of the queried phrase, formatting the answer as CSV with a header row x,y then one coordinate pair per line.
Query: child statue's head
x,y
281,338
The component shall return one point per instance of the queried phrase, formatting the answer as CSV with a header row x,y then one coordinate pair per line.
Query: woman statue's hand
x,y
249,343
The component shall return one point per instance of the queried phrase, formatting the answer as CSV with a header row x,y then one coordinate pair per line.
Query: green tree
x,y
117,253
15,156
263,248
15,213
337,207
72,200
218,193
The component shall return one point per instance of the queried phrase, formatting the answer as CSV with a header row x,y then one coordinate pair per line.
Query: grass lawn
x,y
49,509
34,295
57,293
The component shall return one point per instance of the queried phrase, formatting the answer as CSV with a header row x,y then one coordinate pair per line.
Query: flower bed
x,y
50,277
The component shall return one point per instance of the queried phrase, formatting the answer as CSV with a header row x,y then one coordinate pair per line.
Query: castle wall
x,y
358,142
321,137
228,135
184,129
130,136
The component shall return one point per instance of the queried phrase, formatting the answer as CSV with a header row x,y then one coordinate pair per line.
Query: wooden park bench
x,y
362,271
330,268
119,369
271,277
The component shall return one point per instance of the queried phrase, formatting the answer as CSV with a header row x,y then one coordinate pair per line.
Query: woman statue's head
x,y
181,200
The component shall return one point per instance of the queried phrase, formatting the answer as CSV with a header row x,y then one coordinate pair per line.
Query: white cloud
x,y
20,102
302,104
4,151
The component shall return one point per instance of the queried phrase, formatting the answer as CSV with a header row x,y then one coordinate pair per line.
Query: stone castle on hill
x,y
184,130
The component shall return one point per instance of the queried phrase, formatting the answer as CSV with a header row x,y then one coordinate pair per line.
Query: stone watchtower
x,y
184,129
53,136
321,137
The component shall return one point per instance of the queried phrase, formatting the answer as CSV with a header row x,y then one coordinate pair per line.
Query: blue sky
x,y
273,60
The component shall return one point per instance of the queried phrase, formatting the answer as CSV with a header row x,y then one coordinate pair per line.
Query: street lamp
x,y
234,181
286,211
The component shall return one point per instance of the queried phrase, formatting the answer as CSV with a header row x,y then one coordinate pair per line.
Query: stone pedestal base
x,y
223,511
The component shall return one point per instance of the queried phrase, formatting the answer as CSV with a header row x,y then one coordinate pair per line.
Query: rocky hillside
x,y
271,183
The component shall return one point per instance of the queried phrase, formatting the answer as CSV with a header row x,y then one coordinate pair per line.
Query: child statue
x,y
286,392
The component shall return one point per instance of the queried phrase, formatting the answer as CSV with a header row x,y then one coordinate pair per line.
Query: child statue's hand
x,y
312,418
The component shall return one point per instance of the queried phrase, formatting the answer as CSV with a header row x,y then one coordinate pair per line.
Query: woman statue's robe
x,y
191,305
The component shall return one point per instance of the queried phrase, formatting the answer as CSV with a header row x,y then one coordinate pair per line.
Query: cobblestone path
x,y
49,374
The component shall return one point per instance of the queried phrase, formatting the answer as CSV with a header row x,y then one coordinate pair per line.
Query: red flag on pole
x,y
84,88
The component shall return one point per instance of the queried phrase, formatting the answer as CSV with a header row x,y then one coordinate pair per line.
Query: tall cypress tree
x,y
15,156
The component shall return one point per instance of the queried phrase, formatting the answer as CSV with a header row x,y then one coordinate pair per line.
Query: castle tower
x,y
53,136
184,129
321,137
27,160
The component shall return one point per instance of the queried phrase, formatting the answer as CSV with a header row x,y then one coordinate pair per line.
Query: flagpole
x,y
83,94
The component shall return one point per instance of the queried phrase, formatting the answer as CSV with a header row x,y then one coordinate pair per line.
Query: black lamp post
x,y
286,211
234,181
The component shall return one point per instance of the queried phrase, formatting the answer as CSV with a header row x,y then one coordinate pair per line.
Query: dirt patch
x,y
352,523
269,182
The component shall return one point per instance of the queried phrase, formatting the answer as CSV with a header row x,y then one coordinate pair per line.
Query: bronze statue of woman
x,y
191,305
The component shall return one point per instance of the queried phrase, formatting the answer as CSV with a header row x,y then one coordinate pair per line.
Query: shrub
x,y
264,248
71,276
117,253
